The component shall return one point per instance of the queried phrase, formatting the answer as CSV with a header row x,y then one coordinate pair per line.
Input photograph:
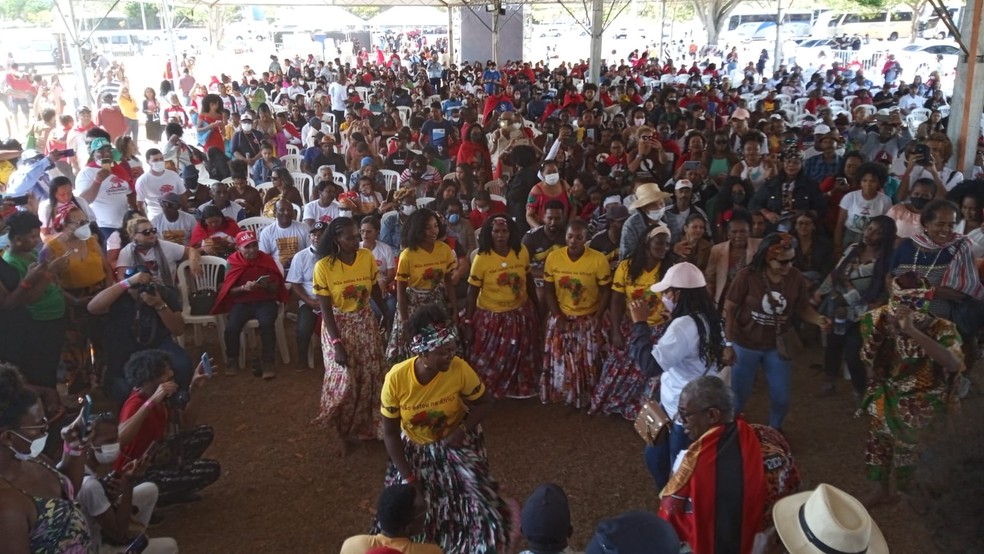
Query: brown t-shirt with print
x,y
755,326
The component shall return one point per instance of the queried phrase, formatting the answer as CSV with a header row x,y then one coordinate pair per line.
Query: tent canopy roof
x,y
345,3
408,15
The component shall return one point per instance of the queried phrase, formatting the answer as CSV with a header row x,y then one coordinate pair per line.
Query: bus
x,y
890,24
795,23
932,26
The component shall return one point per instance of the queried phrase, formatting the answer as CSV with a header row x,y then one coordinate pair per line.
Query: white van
x,y
890,24
932,27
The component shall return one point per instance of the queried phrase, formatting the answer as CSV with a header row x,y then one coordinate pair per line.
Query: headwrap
x,y
403,193
790,153
432,337
785,243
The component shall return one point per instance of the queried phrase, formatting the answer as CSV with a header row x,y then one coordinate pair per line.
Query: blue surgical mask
x,y
5,242
453,219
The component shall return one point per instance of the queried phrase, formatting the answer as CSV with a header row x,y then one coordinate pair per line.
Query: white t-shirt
x,y
110,203
172,252
301,270
385,256
151,187
950,177
314,210
860,211
179,231
338,93
233,211
283,243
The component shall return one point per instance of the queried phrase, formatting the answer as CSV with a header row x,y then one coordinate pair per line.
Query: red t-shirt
x,y
478,218
153,429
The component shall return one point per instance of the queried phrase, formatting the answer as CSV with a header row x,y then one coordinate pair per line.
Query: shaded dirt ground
x,y
284,490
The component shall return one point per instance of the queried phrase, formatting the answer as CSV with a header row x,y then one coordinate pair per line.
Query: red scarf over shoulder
x,y
238,265
716,499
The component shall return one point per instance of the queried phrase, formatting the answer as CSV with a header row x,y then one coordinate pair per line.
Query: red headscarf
x,y
238,265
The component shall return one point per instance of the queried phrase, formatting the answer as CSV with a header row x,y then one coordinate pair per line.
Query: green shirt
x,y
51,305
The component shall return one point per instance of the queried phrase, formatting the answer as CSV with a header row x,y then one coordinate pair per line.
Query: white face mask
x,y
83,232
157,167
247,126
483,210
640,121
551,178
107,453
668,303
408,209
37,446
517,125
4,242
655,215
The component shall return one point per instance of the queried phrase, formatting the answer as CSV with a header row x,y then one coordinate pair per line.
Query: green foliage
x,y
134,19
365,12
30,11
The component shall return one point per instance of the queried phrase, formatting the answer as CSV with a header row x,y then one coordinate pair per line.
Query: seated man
x,y
286,237
175,452
400,514
717,511
300,280
133,501
252,288
546,521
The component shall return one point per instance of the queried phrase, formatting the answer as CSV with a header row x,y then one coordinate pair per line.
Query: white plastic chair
x,y
944,111
868,109
298,212
799,105
391,178
848,99
405,113
248,336
256,224
293,150
340,180
498,198
363,93
292,162
264,186
212,268
423,201
328,118
921,112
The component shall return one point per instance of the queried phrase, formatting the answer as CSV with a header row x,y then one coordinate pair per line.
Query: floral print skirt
x,y
503,351
350,393
622,388
570,361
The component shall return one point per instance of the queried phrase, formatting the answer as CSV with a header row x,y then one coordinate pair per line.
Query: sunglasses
x,y
148,232
81,223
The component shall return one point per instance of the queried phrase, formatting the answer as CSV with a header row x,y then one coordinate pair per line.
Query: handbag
x,y
202,301
652,423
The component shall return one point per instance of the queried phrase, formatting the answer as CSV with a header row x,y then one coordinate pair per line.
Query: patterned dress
x,y
61,526
907,391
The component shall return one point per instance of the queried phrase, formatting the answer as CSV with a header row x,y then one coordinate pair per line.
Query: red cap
x,y
245,238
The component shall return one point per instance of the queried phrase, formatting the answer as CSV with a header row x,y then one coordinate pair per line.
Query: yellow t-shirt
x,y
347,285
423,270
639,288
79,273
577,284
360,544
429,412
128,107
501,281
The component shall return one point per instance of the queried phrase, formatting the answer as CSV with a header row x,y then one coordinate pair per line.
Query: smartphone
x,y
262,279
549,138
922,152
712,108
86,415
207,364
138,545
17,201
66,153
589,133
692,165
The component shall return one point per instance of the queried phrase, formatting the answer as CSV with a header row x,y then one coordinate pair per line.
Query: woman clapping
x,y
344,278
433,405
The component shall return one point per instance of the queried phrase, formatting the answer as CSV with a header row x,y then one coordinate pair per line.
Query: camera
x,y
178,400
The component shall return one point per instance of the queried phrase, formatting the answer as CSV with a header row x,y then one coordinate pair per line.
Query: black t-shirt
x,y
13,321
135,326
397,161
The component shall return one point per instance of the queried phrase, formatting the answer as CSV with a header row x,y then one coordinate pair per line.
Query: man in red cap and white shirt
x,y
252,289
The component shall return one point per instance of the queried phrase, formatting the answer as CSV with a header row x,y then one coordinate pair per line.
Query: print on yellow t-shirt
x,y
286,248
424,270
577,284
501,280
347,285
639,289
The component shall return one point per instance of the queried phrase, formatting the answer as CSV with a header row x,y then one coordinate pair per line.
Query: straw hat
x,y
647,193
826,520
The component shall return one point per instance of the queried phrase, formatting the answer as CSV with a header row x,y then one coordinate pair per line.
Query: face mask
x,y
918,203
4,242
517,125
407,209
668,302
157,167
37,446
655,215
107,453
83,232
455,119
551,178
247,126
453,219
640,121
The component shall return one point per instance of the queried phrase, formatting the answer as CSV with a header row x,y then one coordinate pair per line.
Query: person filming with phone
x,y
159,421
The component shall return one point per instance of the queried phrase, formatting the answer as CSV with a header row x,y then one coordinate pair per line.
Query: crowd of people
x,y
456,234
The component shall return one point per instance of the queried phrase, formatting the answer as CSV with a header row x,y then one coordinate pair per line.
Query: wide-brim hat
x,y
826,519
647,193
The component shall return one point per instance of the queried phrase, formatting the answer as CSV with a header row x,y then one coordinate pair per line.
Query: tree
x,y
713,14
218,16
365,12
917,7
32,11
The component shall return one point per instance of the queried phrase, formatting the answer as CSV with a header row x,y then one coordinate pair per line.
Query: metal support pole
x,y
966,107
495,32
450,35
169,28
777,54
83,96
143,16
597,14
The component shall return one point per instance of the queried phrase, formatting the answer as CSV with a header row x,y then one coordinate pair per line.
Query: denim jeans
x,y
266,314
390,307
777,377
660,458
306,327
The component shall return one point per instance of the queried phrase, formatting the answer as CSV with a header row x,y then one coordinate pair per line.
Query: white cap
x,y
821,129
683,275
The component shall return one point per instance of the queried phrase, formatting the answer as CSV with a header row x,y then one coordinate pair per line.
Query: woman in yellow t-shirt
x,y
423,276
577,285
433,405
622,387
344,280
502,315
85,275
